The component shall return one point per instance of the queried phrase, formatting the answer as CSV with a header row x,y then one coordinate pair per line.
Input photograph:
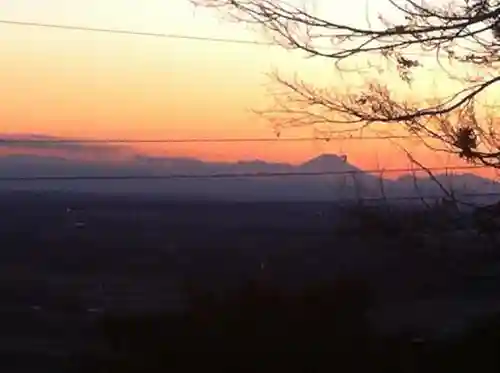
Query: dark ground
x,y
70,261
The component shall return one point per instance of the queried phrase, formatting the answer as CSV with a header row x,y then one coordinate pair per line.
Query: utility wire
x,y
416,198
132,32
229,175
30,141
161,35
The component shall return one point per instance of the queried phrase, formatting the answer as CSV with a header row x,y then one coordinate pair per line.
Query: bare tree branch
x,y
463,33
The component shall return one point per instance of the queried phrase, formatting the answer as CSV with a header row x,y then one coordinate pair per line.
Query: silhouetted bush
x,y
262,329
257,329
395,221
477,349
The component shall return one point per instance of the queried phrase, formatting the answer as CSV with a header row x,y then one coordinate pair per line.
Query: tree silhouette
x,y
460,33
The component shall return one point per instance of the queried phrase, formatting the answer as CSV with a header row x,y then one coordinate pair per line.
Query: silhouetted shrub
x,y
257,329
477,349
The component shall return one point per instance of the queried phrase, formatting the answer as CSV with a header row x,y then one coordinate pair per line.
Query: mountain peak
x,y
327,161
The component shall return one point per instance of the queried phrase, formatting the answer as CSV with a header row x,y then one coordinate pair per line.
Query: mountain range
x,y
327,177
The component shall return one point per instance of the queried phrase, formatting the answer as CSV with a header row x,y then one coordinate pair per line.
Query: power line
x,y
161,35
133,32
18,141
417,198
230,175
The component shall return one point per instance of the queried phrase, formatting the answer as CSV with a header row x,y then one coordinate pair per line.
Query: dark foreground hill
x,y
93,282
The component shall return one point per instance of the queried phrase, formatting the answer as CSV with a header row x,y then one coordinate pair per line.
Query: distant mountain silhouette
x,y
351,182
328,162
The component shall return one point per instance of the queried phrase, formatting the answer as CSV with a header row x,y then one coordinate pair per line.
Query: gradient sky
x,y
84,84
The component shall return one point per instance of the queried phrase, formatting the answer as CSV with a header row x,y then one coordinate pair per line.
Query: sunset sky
x,y
86,84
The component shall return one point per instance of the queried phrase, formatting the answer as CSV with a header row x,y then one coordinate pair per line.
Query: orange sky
x,y
83,84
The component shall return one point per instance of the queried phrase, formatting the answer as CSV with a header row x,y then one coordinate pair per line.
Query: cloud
x,y
39,143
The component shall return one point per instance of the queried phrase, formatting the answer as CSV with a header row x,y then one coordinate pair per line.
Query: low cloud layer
x,y
38,143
